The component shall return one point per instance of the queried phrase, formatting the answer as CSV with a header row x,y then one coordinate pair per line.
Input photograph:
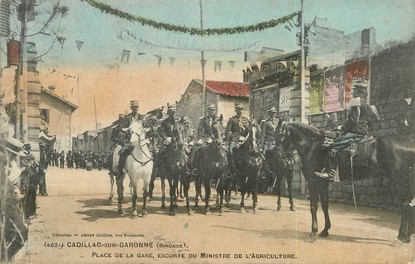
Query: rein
x,y
139,145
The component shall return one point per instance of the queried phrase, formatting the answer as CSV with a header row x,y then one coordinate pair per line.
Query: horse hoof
x,y
311,239
190,212
292,208
256,210
242,210
208,212
120,211
279,208
324,234
397,243
144,214
221,211
172,213
163,206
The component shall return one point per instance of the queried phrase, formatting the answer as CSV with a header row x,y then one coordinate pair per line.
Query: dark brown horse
x,y
248,163
174,161
214,164
280,162
392,156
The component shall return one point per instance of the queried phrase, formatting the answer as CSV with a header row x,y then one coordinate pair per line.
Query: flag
x,y
218,65
232,63
79,44
188,62
158,59
172,59
126,55
203,62
140,53
61,40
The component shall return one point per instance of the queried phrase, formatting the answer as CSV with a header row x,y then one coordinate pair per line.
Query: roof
x,y
71,105
236,89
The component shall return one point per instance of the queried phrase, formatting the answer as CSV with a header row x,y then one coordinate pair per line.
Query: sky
x,y
112,83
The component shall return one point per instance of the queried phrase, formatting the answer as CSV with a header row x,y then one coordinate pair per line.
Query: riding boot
x,y
123,158
330,170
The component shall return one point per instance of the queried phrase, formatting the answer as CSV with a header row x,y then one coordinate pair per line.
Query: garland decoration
x,y
193,31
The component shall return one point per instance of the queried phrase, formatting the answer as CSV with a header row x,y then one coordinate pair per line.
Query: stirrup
x,y
195,172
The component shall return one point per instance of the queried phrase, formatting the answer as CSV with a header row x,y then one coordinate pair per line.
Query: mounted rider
x,y
269,127
353,130
236,129
168,131
127,148
204,133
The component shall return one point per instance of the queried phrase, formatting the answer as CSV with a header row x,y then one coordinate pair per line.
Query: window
x,y
44,115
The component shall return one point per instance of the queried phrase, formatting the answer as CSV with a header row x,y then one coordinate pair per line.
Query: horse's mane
x,y
307,130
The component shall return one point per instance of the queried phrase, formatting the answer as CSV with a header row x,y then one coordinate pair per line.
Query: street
x,y
76,224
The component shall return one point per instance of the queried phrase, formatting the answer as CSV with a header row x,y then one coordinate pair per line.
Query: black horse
x,y
174,161
248,163
280,161
392,156
214,164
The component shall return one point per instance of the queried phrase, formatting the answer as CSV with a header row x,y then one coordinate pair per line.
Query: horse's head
x,y
250,142
137,133
299,136
217,130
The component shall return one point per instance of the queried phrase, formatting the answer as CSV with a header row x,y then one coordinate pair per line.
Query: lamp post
x,y
202,53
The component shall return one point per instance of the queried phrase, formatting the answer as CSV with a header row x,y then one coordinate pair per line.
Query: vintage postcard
x,y
206,131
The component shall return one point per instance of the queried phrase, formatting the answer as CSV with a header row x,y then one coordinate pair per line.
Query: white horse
x,y
139,165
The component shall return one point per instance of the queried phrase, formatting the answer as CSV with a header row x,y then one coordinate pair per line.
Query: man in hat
x,y
268,130
118,136
126,150
204,131
15,230
237,126
353,130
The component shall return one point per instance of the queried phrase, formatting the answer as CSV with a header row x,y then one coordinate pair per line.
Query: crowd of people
x,y
78,159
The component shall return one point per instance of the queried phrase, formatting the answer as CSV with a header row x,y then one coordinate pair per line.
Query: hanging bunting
x,y
126,55
61,40
203,62
158,59
218,65
172,59
79,44
192,31
232,63
140,53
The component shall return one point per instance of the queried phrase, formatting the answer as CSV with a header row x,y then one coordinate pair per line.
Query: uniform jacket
x,y
205,130
126,122
168,128
268,130
237,126
358,119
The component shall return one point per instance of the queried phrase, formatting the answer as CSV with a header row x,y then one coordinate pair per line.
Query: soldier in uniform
x,y
354,129
268,131
237,126
168,127
134,116
117,134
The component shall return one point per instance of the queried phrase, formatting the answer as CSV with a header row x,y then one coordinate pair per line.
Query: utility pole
x,y
204,93
302,66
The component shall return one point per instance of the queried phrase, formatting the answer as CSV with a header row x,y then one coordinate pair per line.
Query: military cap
x,y
134,103
272,109
210,106
239,106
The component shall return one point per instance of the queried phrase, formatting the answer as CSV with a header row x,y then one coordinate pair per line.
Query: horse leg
x,y
163,192
186,187
134,199
242,210
314,194
112,188
207,195
145,195
151,187
172,191
324,195
290,190
198,188
120,192
278,183
404,230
